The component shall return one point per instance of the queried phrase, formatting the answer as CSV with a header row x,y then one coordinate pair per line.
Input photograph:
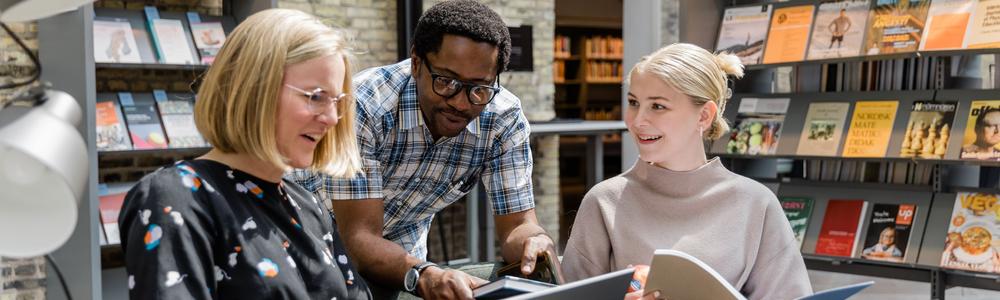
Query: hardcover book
x,y
839,29
889,232
947,24
973,234
982,131
758,126
871,128
797,210
841,227
143,122
114,42
743,32
895,26
928,130
789,34
823,128
112,133
177,114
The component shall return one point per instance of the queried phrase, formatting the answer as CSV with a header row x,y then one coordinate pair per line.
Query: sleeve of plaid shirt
x,y
507,176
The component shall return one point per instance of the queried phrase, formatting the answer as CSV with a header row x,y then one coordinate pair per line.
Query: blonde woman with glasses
x,y
226,225
675,197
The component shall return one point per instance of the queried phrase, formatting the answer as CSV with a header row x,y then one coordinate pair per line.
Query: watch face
x,y
410,282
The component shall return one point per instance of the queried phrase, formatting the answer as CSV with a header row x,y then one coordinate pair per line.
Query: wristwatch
x,y
413,276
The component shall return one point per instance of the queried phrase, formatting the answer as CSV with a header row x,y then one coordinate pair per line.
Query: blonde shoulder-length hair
x,y
236,110
697,73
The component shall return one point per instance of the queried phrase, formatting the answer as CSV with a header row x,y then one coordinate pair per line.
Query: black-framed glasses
x,y
448,87
319,101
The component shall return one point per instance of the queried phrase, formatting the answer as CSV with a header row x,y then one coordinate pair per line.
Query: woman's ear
x,y
709,111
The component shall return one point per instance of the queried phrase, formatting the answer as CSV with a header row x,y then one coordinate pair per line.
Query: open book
x,y
508,286
699,281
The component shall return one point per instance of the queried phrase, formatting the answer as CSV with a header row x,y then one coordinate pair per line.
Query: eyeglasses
x,y
448,87
320,101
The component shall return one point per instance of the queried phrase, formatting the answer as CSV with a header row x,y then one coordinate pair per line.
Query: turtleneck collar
x,y
679,184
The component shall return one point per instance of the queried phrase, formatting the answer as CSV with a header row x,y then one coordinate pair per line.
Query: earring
x,y
701,130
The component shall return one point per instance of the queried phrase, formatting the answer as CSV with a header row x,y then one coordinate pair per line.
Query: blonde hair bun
x,y
730,64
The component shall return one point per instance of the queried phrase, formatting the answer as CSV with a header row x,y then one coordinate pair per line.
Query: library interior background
x,y
859,115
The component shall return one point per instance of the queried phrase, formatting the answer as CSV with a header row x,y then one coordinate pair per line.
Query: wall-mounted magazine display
x,y
984,31
871,128
973,239
839,29
928,130
788,34
114,42
112,133
823,128
797,210
743,32
841,227
895,26
177,114
889,232
758,126
143,121
982,131
947,24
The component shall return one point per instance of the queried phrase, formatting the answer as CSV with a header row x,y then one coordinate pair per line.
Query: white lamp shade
x,y
29,10
43,173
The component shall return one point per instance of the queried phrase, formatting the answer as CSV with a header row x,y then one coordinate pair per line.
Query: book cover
x,y
895,26
208,38
508,286
947,24
789,34
143,122
984,31
889,232
743,31
871,128
111,197
823,128
172,42
839,29
982,131
114,42
841,227
758,126
797,210
112,134
177,114
928,130
973,234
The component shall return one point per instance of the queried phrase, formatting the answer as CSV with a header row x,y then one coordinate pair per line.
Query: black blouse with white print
x,y
201,230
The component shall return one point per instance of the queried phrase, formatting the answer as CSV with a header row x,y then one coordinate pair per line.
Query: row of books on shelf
x,y
836,29
892,172
601,46
145,37
603,114
759,122
562,46
604,70
972,242
139,121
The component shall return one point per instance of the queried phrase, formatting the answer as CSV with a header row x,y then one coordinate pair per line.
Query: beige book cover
x,y
823,128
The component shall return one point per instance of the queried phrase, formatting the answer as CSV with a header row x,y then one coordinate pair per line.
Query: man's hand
x,y
437,283
533,247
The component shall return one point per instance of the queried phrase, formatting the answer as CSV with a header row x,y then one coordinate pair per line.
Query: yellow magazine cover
x,y
973,236
789,34
982,131
871,128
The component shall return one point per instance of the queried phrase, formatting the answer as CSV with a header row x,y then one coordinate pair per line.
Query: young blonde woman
x,y
676,198
226,225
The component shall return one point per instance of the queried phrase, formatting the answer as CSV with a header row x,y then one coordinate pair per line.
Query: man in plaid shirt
x,y
430,128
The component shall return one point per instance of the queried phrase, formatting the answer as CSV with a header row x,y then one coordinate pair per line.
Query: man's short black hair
x,y
465,18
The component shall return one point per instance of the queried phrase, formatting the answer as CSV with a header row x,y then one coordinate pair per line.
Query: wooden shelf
x,y
150,67
571,57
598,57
604,81
573,81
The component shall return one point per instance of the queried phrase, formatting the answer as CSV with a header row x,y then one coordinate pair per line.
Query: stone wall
x,y
371,24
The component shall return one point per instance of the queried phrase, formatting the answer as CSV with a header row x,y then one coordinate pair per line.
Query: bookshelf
x,y
587,72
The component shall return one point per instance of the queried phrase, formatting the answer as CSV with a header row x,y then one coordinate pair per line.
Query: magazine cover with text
x,y
895,26
982,131
839,29
888,232
758,126
928,130
743,32
973,240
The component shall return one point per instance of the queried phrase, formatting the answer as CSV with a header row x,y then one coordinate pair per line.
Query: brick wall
x,y
371,23
22,279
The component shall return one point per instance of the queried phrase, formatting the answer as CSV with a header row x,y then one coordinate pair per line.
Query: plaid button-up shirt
x,y
415,175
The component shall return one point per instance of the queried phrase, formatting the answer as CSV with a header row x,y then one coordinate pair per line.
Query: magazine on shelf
x,y
114,42
973,240
823,128
208,37
797,210
839,29
788,34
177,114
743,32
895,26
889,232
143,121
172,42
841,229
984,31
947,24
112,133
111,197
982,131
928,130
758,126
871,128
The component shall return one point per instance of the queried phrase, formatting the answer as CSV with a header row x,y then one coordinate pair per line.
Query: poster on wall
x,y
743,32
895,26
839,29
